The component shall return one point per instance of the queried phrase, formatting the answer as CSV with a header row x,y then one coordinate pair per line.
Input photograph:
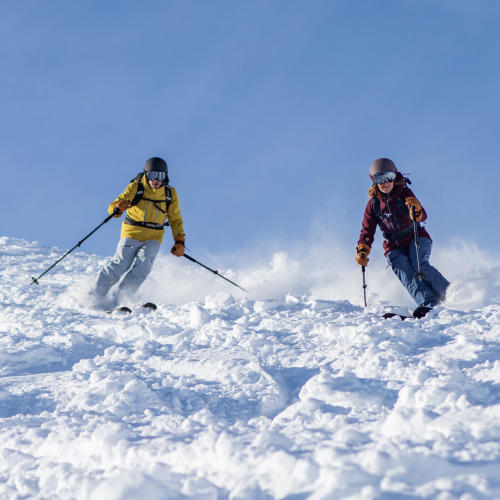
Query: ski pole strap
x,y
398,235
149,225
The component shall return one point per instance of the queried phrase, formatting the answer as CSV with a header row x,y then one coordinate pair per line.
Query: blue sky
x,y
267,112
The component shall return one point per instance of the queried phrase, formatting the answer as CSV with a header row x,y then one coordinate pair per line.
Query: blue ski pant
x,y
133,261
429,291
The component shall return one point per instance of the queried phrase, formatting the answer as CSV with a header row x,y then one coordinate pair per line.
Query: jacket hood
x,y
400,177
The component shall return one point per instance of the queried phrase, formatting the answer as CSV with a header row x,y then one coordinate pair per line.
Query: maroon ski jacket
x,y
390,213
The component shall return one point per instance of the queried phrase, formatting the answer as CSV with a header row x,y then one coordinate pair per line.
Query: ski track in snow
x,y
292,397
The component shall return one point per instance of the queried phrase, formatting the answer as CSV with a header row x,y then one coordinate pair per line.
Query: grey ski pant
x,y
133,261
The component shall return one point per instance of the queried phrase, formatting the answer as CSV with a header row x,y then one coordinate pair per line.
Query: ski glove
x,y
362,254
120,207
178,248
411,201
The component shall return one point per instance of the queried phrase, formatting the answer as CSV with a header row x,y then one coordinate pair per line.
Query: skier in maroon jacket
x,y
389,208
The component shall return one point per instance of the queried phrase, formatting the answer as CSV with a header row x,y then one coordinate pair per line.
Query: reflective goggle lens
x,y
155,174
384,177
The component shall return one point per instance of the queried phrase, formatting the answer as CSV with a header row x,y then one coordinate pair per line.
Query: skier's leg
x,y
116,268
431,275
403,269
140,269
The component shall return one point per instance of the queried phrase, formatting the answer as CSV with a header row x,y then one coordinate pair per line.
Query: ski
x,y
150,306
418,313
388,315
421,311
123,309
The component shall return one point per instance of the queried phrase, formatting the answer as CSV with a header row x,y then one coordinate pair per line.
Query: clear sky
x,y
267,112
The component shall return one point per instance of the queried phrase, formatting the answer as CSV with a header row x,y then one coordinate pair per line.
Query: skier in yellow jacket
x,y
150,204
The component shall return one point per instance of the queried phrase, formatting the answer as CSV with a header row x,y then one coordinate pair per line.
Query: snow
x,y
292,391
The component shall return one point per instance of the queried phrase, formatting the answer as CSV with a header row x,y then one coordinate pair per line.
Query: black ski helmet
x,y
156,164
382,165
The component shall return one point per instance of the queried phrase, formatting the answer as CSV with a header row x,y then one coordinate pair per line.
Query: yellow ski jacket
x,y
150,211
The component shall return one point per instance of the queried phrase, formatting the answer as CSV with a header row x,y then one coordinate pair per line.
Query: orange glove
x,y
362,255
178,248
120,207
411,201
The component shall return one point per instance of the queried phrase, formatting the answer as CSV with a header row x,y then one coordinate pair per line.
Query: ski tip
x,y
418,313
421,311
123,309
389,315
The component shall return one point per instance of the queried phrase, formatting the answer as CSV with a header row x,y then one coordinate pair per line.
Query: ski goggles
x,y
156,174
384,177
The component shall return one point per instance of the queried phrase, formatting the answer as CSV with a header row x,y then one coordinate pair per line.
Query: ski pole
x,y
35,280
419,273
363,270
213,271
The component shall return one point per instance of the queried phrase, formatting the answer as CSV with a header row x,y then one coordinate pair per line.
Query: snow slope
x,y
294,391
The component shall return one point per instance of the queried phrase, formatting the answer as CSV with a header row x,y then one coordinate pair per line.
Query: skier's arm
x,y
127,195
368,226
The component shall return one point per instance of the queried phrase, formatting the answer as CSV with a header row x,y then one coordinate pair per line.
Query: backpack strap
x,y
399,235
391,235
376,210
149,225
400,207
139,195
167,200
